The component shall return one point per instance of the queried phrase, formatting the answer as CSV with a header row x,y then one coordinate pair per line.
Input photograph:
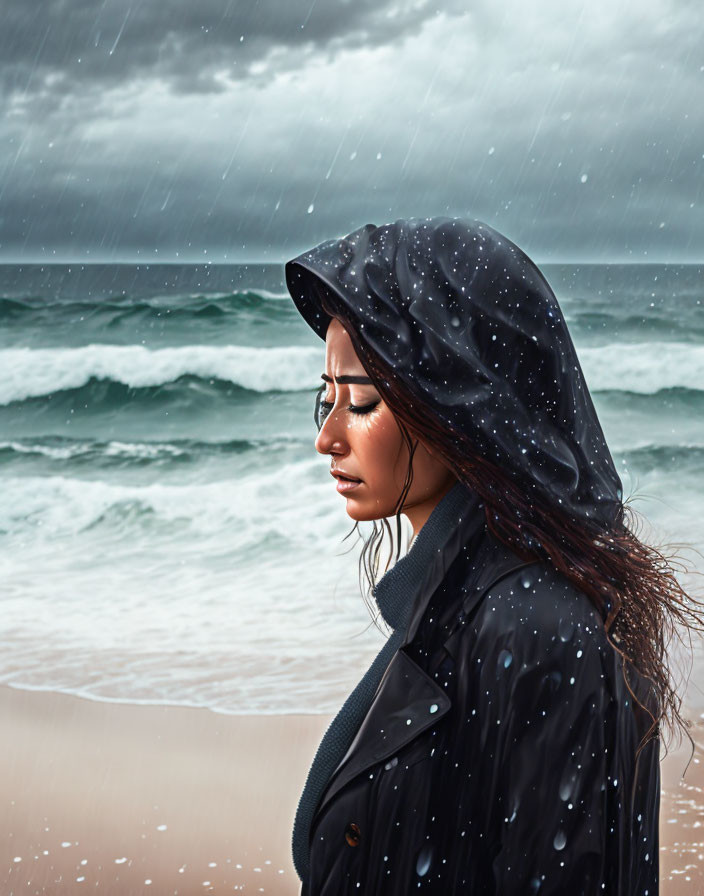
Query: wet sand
x,y
121,799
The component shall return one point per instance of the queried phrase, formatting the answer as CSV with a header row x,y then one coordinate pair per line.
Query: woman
x,y
505,740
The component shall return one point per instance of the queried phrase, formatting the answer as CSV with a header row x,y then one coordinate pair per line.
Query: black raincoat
x,y
498,754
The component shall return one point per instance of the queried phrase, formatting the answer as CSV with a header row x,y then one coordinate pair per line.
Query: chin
x,y
358,511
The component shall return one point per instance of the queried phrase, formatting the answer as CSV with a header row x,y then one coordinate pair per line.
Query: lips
x,y
347,485
343,476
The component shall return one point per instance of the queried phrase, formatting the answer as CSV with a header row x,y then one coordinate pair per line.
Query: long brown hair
x,y
633,585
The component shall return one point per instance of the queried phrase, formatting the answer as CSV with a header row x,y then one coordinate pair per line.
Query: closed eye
x,y
355,408
362,409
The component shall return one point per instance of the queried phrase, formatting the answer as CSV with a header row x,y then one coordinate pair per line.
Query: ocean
x,y
168,533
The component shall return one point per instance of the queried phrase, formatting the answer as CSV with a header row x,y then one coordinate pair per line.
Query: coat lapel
x,y
408,700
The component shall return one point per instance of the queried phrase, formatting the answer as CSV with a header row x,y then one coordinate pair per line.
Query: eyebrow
x,y
355,380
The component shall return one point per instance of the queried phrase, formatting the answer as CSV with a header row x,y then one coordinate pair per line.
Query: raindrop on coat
x,y
433,707
391,763
526,580
565,629
505,658
560,840
514,813
535,885
567,783
424,860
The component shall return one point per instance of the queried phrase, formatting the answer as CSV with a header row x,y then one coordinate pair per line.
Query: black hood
x,y
473,330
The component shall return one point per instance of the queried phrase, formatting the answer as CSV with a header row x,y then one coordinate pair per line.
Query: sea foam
x,y
645,367
30,373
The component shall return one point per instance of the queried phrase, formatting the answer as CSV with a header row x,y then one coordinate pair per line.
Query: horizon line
x,y
209,262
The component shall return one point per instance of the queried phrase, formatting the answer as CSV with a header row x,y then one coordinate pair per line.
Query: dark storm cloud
x,y
577,131
50,49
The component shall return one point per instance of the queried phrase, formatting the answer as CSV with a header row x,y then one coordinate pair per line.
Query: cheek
x,y
381,443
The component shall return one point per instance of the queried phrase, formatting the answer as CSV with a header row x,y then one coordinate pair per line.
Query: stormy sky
x,y
249,131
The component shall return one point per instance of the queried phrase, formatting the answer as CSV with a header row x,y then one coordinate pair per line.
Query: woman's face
x,y
363,439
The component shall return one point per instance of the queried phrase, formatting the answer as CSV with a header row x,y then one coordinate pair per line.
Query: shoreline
x,y
122,798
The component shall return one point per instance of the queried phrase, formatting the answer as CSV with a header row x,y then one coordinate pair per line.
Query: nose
x,y
328,440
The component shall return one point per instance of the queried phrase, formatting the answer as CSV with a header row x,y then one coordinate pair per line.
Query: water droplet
x,y
560,840
535,885
567,783
434,707
565,629
391,763
526,580
424,860
514,810
505,659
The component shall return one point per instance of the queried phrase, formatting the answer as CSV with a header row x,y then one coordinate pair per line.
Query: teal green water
x,y
167,524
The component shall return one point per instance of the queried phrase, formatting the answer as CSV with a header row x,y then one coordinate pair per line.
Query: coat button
x,y
352,834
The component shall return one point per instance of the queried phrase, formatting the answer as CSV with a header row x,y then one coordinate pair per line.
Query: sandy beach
x,y
123,799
